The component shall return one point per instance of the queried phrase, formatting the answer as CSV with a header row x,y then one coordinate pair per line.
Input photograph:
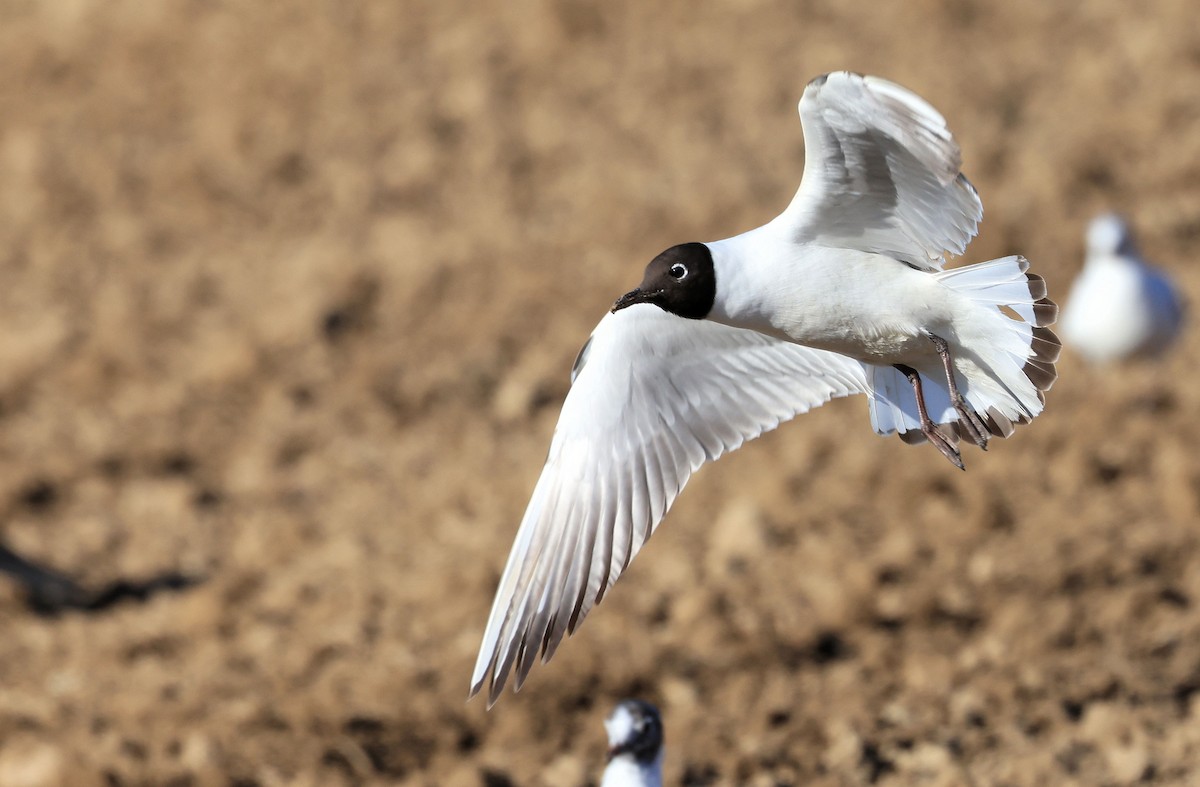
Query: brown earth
x,y
289,296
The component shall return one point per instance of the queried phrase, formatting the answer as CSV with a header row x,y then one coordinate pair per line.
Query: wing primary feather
x,y
576,579
514,637
640,511
622,528
602,560
536,618
553,594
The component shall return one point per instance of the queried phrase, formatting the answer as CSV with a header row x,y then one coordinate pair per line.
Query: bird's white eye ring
x,y
678,271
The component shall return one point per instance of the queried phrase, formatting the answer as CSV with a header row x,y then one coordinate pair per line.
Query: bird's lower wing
x,y
654,397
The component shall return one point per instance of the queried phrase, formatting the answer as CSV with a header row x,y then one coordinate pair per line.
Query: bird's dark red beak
x,y
634,296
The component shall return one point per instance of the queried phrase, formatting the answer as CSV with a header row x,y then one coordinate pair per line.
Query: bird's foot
x,y
969,421
928,427
948,449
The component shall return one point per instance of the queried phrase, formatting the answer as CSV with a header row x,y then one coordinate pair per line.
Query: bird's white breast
x,y
624,771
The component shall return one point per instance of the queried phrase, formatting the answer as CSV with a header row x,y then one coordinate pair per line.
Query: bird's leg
x,y
971,423
927,426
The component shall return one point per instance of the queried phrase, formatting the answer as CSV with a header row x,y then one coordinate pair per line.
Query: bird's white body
x,y
624,771
859,304
843,293
1119,307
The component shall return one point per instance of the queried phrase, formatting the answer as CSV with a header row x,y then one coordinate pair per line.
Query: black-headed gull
x,y
843,293
635,746
1119,307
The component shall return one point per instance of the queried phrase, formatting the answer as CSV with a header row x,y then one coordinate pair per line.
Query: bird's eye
x,y
678,271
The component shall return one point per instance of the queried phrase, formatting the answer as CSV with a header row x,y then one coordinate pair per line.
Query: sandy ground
x,y
289,296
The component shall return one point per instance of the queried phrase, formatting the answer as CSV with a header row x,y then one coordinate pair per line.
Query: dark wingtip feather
x,y
495,689
526,658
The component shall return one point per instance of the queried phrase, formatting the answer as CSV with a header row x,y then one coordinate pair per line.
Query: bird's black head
x,y
634,728
681,281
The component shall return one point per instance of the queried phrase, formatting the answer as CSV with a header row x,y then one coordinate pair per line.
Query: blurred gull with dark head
x,y
635,746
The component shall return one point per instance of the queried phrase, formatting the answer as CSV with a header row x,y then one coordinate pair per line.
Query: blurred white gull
x,y
635,746
1119,307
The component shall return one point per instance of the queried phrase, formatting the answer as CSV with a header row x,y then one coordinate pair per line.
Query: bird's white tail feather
x,y
1004,356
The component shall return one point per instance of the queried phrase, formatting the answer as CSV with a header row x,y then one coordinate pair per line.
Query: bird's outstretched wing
x,y
881,174
654,397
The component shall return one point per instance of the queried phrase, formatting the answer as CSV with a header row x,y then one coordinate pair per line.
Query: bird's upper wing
x,y
881,174
654,396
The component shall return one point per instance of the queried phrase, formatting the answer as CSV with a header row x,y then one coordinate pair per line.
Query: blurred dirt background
x,y
289,293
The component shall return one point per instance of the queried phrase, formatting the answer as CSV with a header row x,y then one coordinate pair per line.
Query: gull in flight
x,y
843,293
1119,307
635,746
